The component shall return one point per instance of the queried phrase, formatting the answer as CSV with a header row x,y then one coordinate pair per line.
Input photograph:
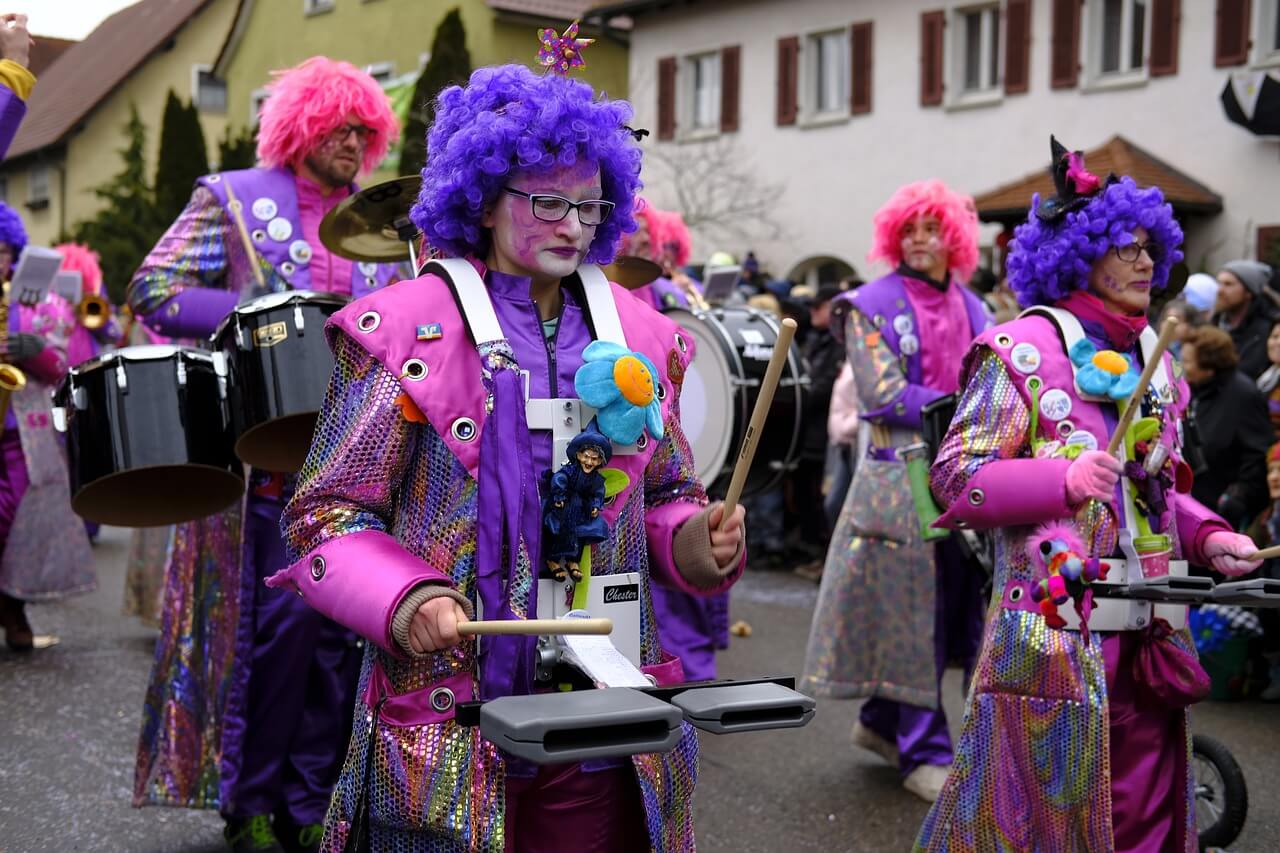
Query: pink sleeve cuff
x,y
661,525
1011,492
358,580
48,365
1195,522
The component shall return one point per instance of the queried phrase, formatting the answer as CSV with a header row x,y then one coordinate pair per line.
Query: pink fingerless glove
x,y
1094,474
1227,553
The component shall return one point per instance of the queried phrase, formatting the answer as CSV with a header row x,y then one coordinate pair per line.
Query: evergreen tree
x,y
450,63
128,226
182,158
239,151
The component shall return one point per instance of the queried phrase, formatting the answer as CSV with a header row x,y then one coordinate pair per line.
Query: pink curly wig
x,y
955,211
80,258
671,237
309,101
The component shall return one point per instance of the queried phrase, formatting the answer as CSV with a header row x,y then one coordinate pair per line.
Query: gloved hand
x,y
23,346
1227,552
1094,474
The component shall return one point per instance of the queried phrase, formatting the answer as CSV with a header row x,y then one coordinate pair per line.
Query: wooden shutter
x,y
1268,248
1231,40
730,85
1165,17
667,98
1017,47
860,55
931,27
788,65
1064,63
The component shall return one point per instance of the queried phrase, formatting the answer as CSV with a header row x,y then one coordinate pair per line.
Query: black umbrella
x,y
1252,100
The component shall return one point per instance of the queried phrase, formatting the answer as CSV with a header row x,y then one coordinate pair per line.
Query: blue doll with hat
x,y
572,500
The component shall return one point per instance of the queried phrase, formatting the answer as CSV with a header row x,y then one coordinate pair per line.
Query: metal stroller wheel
x,y
1222,798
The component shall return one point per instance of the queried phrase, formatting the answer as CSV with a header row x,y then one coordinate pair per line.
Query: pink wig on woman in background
x,y
309,101
673,240
80,258
955,212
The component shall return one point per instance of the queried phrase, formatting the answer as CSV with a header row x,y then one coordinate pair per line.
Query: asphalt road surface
x,y
69,720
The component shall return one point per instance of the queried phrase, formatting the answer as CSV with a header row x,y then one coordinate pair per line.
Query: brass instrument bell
x,y
93,312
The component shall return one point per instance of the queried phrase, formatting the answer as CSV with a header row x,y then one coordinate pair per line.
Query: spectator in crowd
x,y
1201,292
1232,425
1245,311
1269,381
1188,318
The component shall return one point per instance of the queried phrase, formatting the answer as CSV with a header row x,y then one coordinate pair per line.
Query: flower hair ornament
x,y
562,53
1076,186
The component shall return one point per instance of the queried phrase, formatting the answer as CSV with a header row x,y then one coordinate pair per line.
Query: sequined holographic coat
x,y
1032,764
379,467
873,626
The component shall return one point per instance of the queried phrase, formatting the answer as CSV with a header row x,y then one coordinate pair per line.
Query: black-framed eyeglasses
x,y
553,208
1130,251
339,135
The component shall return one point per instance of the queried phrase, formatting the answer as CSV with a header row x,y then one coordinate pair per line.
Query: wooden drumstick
x,y
1265,553
1135,402
781,349
536,627
235,207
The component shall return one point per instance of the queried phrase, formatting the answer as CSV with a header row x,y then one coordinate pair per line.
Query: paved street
x,y
69,720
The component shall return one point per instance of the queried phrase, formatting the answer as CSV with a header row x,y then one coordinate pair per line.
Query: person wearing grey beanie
x,y
1244,309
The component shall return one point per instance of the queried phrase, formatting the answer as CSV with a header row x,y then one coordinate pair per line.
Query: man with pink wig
x,y
894,609
291,687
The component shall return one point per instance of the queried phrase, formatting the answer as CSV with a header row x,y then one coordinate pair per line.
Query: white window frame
x,y
256,97
1265,13
195,89
687,95
317,7
38,190
807,89
954,56
1095,79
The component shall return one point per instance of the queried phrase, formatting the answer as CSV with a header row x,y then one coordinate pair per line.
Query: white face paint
x,y
922,246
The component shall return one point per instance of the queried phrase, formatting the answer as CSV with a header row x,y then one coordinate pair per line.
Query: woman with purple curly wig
x,y
455,395
1075,736
13,239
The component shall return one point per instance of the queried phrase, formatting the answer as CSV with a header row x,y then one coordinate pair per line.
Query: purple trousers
x,y
302,686
692,628
921,733
567,808
1148,759
13,480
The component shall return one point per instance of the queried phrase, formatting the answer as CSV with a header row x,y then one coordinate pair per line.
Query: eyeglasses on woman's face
x,y
1130,252
553,208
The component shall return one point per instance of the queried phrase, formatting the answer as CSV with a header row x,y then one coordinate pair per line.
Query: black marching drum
x,y
734,344
148,436
280,369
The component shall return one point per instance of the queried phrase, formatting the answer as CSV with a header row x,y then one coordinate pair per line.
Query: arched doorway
x,y
820,270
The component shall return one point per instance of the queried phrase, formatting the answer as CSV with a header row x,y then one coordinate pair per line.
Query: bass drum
x,y
148,436
280,370
734,344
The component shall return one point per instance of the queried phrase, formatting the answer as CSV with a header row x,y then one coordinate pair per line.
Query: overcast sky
x,y
68,19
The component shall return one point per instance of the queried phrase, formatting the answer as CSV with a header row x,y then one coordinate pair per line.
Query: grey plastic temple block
x,y
1258,592
745,707
558,728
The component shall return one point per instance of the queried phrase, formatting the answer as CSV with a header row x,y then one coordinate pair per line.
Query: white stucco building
x,y
839,102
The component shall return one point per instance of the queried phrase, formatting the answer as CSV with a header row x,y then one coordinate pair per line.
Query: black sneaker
x,y
251,835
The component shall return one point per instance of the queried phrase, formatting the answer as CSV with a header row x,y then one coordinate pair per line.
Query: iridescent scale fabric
x,y
1032,764
180,749
440,787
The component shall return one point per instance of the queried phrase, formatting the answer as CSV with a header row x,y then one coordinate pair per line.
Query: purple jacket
x,y
12,111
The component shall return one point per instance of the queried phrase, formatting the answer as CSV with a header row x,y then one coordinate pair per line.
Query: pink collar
x,y
1121,330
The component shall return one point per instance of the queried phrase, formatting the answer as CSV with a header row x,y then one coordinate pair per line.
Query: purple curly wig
x,y
12,231
1050,260
508,119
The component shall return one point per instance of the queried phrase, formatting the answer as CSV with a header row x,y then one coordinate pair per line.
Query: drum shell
x,y
154,448
280,371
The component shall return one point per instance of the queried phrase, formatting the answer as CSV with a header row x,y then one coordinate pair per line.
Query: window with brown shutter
x,y
1268,247
788,65
1064,63
1017,47
931,26
860,65
1231,40
667,98
1165,17
730,84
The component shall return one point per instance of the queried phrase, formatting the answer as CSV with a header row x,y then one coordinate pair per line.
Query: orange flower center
x,y
633,380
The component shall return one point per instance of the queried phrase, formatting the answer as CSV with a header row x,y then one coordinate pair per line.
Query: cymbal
x,y
373,224
632,272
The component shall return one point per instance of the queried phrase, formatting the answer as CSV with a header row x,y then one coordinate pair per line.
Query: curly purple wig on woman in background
x,y
12,232
508,119
1048,261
